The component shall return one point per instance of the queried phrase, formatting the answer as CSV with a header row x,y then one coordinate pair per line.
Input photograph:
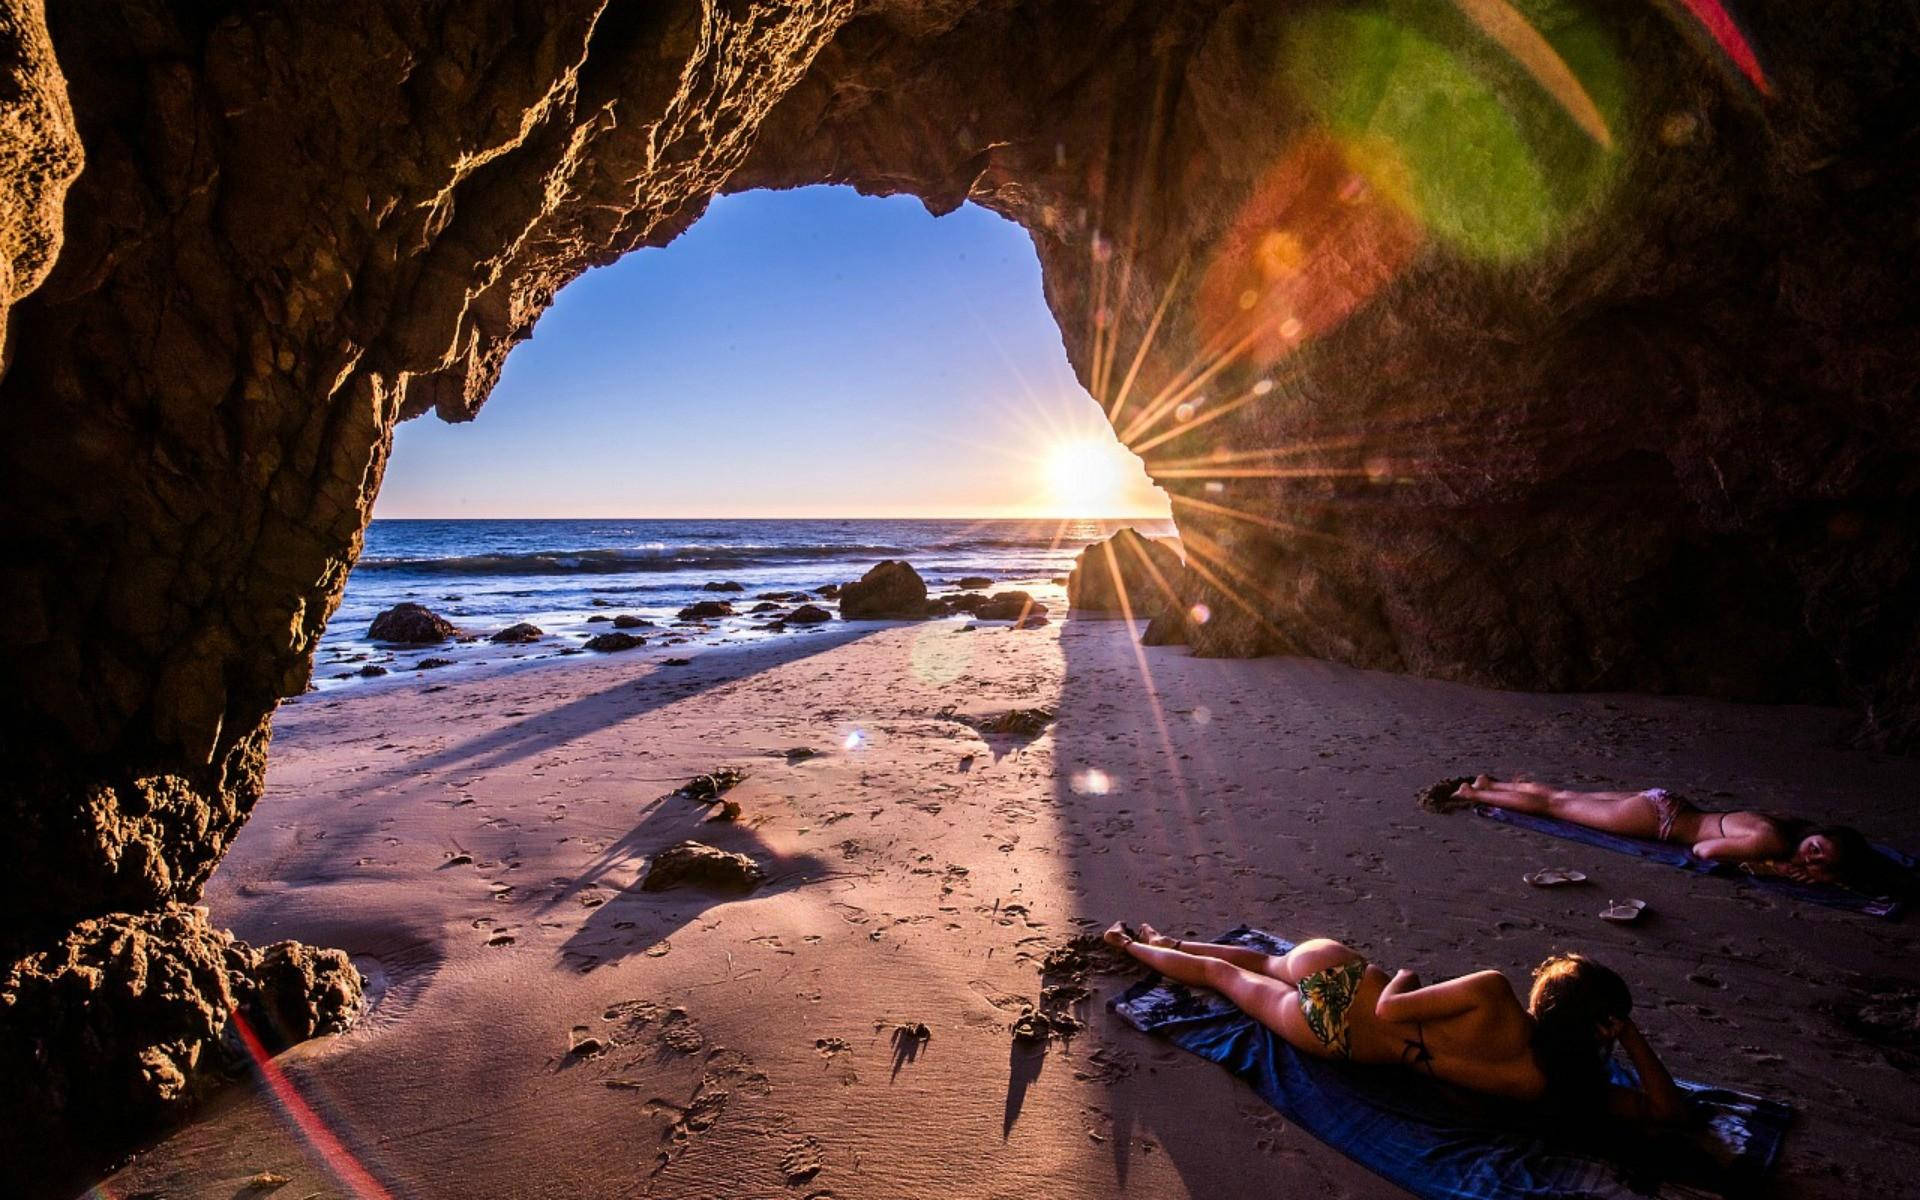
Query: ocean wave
x,y
631,559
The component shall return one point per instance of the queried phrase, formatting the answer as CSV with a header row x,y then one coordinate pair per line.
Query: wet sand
x,y
475,846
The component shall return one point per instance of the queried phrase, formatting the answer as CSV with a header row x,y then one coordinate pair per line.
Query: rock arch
x,y
1670,447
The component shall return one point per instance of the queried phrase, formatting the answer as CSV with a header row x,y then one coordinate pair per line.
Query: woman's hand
x,y
1658,1099
1774,869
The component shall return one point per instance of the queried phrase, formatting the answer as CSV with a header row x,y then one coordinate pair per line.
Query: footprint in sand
x,y
581,1043
678,1031
673,1028
635,1013
682,1123
828,1047
501,939
851,914
1761,1056
801,1162
579,961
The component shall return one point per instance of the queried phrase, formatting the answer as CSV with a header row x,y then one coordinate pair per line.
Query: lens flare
x,y
1298,261
1441,133
1719,25
304,1122
1091,782
1499,21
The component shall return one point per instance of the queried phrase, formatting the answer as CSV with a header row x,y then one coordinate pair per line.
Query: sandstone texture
x,y
889,589
1126,573
119,1026
1622,401
696,864
40,153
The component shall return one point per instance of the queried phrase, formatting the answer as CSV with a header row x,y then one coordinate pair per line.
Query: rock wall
x,y
1577,353
127,1019
1645,428
39,152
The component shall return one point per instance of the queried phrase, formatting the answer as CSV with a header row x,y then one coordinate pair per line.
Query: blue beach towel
x,y
1445,1144
1889,907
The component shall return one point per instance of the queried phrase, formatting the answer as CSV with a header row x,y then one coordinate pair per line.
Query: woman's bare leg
x,y
1261,997
1246,958
1628,813
1290,968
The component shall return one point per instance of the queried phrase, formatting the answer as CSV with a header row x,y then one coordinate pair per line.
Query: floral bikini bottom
x,y
1325,997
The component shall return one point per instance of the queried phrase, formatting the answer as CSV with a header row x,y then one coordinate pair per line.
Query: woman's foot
x,y
1445,797
1122,935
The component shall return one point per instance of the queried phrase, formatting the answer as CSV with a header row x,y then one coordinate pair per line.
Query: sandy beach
x,y
474,839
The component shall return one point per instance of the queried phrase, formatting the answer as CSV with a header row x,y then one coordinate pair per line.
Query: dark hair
x,y
1572,997
1855,863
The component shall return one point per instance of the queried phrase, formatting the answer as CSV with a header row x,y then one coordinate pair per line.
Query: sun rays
x,y
1090,476
1480,133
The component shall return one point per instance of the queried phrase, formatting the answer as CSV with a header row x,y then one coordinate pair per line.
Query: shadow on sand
x,y
635,921
1024,1063
652,686
1169,836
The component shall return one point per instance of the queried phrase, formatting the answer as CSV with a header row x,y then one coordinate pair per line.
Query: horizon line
x,y
789,517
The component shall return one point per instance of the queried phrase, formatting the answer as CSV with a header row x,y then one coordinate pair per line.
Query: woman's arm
x,y
1658,1099
1780,870
1403,999
1403,981
1749,841
1745,848
1754,856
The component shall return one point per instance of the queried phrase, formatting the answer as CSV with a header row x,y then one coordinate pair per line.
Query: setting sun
x,y
1088,478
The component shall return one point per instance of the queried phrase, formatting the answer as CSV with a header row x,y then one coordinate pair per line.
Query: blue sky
x,y
801,353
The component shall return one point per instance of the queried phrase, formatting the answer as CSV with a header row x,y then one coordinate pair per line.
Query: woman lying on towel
x,y
1326,1000
1765,845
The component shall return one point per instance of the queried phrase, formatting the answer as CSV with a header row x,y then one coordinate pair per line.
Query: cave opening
x,y
803,382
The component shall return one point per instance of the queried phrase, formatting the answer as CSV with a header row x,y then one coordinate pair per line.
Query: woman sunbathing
x,y
1765,845
1327,1000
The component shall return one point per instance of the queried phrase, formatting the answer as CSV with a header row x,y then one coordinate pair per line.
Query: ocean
x,y
484,575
